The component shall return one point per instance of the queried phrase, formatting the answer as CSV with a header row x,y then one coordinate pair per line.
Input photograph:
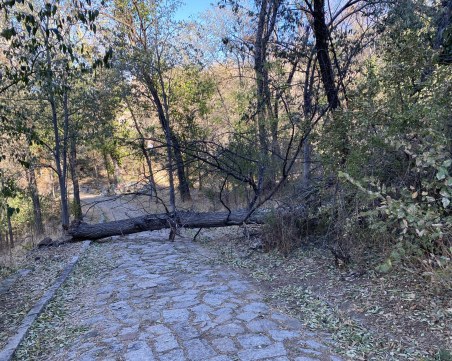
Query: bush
x,y
284,230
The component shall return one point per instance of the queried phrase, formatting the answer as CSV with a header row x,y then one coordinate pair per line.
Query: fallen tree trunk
x,y
80,231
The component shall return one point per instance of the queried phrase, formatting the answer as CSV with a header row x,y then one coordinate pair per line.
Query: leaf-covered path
x,y
169,301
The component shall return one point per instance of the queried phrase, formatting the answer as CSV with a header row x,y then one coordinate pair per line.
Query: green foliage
x,y
190,97
13,203
399,142
443,355
31,27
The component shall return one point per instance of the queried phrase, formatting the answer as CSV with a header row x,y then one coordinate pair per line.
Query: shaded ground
x,y
158,300
398,316
19,291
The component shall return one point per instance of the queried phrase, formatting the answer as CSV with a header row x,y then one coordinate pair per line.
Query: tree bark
x,y
74,176
144,151
34,194
307,113
184,188
10,228
322,34
84,231
52,185
58,153
116,170
265,26
167,131
261,71
60,169
108,168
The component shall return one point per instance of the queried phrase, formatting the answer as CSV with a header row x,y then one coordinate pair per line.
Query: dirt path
x,y
98,209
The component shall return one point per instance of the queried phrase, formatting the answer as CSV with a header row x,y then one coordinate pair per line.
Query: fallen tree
x,y
80,231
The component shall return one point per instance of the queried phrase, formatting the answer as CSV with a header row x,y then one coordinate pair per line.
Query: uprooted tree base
x,y
80,231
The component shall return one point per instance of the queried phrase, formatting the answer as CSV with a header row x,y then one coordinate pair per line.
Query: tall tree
x,y
268,13
41,45
150,53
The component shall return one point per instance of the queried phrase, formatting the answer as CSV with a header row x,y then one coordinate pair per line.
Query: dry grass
x,y
56,328
44,267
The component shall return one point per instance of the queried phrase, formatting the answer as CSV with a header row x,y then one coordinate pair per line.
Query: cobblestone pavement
x,y
168,302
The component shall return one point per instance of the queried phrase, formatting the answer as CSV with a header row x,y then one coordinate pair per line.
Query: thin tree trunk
x,y
63,184
306,179
184,188
78,215
96,171
10,228
275,146
144,151
107,167
52,186
266,24
180,167
261,72
60,173
307,113
116,171
169,142
60,170
200,176
34,194
322,36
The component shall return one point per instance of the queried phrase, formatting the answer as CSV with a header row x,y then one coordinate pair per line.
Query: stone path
x,y
168,302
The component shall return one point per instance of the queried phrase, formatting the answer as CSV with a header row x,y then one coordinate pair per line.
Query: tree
x,y
8,190
41,46
268,14
149,52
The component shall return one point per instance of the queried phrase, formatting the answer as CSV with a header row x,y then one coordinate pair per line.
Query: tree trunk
x,y
74,176
116,170
322,33
306,179
261,72
167,131
108,167
34,194
307,113
151,179
266,24
84,231
58,153
10,227
144,151
173,148
60,170
200,176
52,185
184,188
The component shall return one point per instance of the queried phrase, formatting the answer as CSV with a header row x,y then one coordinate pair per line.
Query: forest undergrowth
x,y
400,315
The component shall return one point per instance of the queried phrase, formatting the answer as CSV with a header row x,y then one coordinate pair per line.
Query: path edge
x,y
14,341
